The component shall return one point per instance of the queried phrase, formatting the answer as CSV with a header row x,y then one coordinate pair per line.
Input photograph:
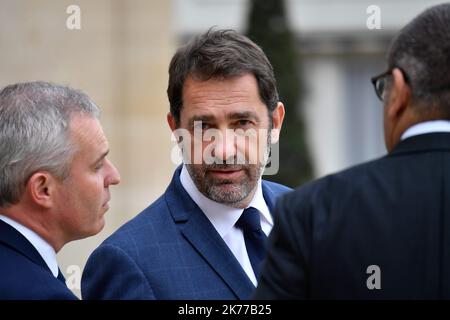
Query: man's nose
x,y
225,145
113,176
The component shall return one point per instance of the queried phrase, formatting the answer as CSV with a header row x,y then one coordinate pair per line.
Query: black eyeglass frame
x,y
377,78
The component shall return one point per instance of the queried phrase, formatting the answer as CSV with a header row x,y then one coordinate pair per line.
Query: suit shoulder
x,y
276,187
360,171
143,227
340,184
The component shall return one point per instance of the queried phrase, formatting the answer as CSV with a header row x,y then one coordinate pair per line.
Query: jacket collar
x,y
430,142
13,239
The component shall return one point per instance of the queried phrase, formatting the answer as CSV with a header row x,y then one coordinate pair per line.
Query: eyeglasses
x,y
380,81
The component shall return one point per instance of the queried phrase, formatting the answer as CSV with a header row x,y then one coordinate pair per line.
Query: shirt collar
x,y
43,247
223,217
426,127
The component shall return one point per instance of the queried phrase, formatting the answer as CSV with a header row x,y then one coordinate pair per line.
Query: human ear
x,y
40,188
277,121
399,95
171,121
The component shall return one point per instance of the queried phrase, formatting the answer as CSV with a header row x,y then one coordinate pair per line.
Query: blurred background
x,y
323,52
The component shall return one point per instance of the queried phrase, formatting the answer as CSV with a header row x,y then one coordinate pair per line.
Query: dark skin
x,y
400,112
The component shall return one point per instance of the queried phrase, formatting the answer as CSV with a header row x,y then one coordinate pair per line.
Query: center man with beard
x,y
204,238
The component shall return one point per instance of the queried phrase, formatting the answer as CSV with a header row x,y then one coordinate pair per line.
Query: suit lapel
x,y
202,235
269,196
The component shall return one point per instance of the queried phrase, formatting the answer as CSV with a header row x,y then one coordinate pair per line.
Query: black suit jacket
x,y
392,213
24,275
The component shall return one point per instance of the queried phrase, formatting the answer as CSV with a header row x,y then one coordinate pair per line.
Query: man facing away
x,y
54,180
380,230
204,237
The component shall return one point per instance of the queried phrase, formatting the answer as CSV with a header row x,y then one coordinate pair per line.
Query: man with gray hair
x,y
380,230
54,179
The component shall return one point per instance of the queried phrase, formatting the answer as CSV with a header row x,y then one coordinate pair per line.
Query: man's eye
x,y
98,166
201,126
243,122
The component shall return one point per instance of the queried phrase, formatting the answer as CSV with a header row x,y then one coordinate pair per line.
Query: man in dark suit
x,y
380,230
204,237
54,181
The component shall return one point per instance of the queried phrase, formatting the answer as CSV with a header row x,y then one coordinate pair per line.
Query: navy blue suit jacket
x,y
169,251
392,213
24,275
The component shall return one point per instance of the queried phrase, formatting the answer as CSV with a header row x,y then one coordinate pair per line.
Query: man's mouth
x,y
105,204
226,173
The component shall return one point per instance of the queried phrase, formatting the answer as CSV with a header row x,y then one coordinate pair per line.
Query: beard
x,y
231,191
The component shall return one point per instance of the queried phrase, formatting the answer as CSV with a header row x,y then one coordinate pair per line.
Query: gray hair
x,y
34,133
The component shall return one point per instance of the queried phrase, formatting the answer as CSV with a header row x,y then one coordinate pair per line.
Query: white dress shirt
x,y
45,250
224,218
426,127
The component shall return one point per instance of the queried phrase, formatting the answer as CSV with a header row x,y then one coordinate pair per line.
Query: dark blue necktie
x,y
255,239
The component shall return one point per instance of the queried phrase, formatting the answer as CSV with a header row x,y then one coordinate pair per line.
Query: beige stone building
x,y
120,58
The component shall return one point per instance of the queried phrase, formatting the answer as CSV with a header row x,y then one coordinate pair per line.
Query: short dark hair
x,y
422,51
220,54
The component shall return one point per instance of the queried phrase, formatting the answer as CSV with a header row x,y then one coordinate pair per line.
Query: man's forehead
x,y
235,84
219,98
87,130
227,113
